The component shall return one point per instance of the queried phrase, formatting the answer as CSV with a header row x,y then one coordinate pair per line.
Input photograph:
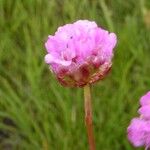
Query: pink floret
x,y
80,53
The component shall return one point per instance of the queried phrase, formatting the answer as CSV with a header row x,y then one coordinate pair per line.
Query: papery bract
x,y
80,53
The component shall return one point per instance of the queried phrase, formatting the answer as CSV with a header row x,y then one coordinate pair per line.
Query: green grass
x,y
36,113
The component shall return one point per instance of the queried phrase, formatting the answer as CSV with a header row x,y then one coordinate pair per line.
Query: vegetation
x,y
37,113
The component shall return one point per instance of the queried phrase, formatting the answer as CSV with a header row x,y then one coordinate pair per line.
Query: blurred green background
x,y
36,112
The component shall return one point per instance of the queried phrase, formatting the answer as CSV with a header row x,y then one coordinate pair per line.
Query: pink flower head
x,y
80,53
139,129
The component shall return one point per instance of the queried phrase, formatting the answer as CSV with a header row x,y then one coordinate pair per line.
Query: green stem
x,y
142,7
88,116
107,15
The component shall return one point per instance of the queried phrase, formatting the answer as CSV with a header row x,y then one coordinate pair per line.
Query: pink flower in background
x,y
80,53
139,129
139,132
145,100
144,111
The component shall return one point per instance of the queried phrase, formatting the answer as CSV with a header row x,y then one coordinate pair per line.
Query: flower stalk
x,y
147,148
88,116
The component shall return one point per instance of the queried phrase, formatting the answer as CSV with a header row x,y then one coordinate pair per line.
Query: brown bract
x,y
87,73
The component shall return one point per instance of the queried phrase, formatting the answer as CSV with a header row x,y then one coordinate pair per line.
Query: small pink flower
x,y
139,129
80,53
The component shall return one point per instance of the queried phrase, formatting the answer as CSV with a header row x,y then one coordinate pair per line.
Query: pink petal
x,y
144,111
145,100
49,59
136,132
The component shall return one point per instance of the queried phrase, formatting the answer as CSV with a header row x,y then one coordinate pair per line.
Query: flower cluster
x,y
139,129
80,53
